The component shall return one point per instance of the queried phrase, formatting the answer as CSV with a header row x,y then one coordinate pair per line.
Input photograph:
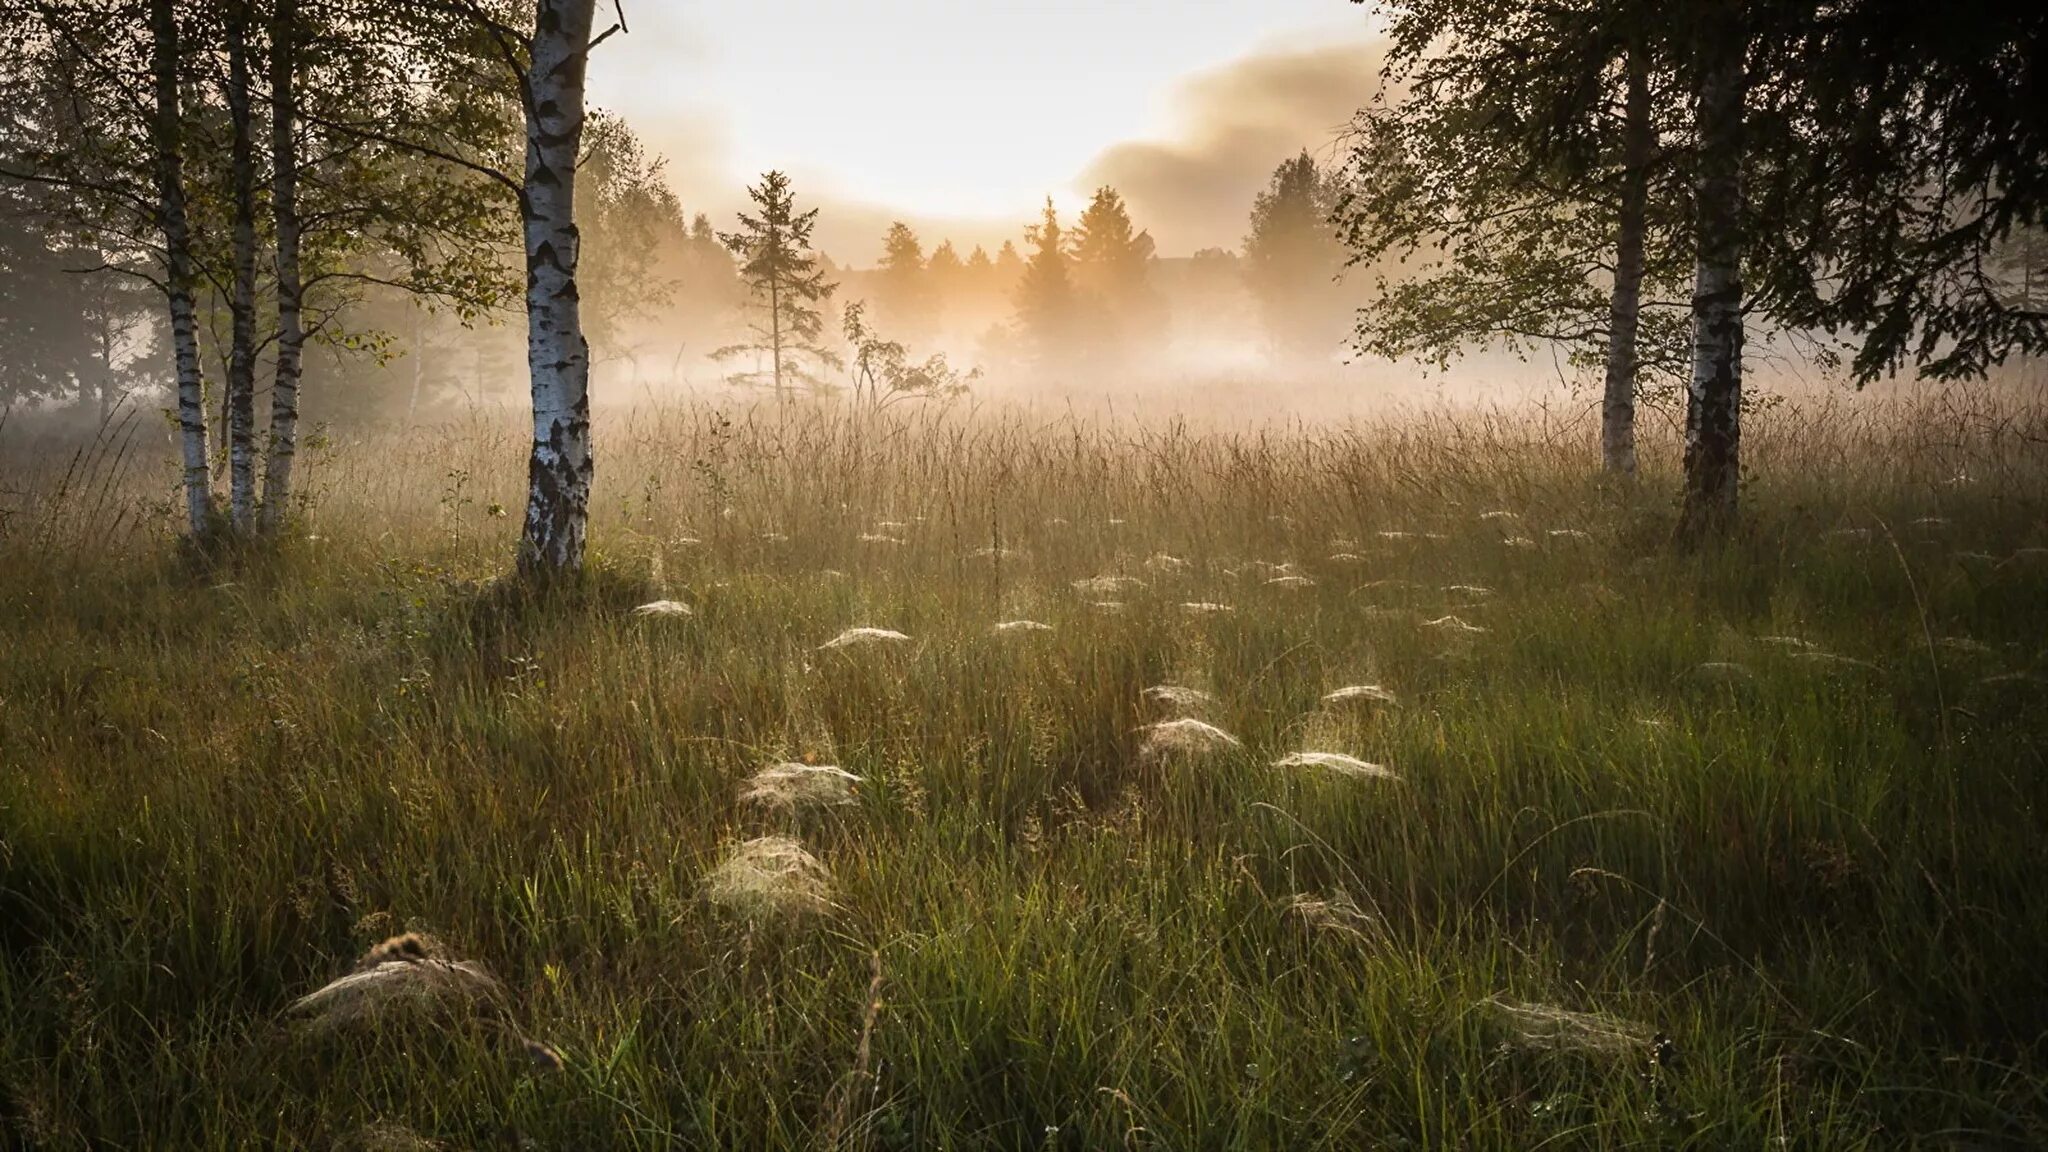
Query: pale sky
x,y
967,110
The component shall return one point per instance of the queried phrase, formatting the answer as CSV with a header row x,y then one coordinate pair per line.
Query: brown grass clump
x,y
1107,585
1358,694
771,878
863,638
402,974
1339,763
1186,737
1175,698
663,608
791,786
1543,1028
1336,913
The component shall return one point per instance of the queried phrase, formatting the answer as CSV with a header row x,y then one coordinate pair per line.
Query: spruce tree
x,y
903,286
1112,270
787,287
1046,309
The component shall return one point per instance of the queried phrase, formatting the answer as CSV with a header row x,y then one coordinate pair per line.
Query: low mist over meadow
x,y
619,574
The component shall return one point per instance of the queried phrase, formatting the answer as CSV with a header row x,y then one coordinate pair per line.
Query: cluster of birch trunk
x,y
550,85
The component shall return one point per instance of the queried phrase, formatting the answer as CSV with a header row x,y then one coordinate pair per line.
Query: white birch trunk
x,y
1714,398
179,275
558,358
241,390
284,200
1618,407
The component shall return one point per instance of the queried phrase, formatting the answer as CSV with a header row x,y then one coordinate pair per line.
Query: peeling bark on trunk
x,y
559,471
284,201
179,275
1618,409
241,397
1713,401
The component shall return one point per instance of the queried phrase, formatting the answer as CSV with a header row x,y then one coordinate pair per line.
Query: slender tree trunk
x,y
284,204
775,330
1618,409
242,303
559,471
419,365
106,389
179,275
1713,427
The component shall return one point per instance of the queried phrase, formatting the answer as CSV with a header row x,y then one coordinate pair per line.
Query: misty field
x,y
1610,845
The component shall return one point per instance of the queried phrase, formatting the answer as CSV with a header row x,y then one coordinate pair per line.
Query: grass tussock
x,y
403,974
1544,1028
663,608
1359,694
1338,763
770,878
1186,737
795,787
864,638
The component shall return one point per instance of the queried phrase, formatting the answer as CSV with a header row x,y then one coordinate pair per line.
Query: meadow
x,y
1610,845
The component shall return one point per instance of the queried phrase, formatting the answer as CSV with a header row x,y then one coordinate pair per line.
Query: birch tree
x,y
167,140
1713,410
1518,190
558,358
386,132
544,62
241,374
284,208
97,117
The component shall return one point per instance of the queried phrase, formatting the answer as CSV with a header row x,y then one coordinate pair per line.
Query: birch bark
x,y
241,384
167,130
1713,427
284,202
558,358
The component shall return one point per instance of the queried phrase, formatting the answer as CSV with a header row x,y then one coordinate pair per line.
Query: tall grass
x,y
1647,871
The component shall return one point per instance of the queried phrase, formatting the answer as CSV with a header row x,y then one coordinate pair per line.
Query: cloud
x,y
1192,188
1235,124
